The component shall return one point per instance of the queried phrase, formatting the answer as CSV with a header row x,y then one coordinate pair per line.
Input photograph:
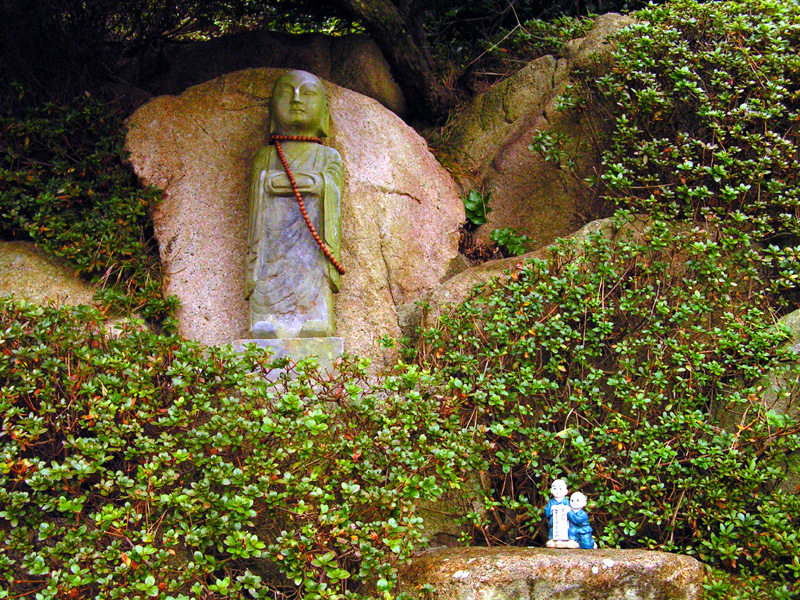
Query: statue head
x,y
558,489
298,105
577,501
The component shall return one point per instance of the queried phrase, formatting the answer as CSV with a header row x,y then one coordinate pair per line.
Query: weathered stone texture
x,y
29,273
400,210
543,574
490,139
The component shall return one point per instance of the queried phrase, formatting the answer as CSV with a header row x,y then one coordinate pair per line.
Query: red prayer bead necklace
x,y
276,139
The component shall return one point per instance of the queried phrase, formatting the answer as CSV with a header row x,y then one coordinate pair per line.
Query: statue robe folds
x,y
289,281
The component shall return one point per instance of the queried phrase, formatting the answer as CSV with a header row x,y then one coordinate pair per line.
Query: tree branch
x,y
402,41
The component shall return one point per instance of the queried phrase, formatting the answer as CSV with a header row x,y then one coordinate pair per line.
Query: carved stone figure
x,y
292,271
579,529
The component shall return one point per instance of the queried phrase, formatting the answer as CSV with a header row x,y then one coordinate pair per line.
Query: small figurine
x,y
580,531
556,511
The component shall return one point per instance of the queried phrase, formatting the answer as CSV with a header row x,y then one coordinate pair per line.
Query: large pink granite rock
x,y
400,216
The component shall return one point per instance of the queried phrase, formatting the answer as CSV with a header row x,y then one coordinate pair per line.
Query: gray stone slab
x,y
327,350
540,573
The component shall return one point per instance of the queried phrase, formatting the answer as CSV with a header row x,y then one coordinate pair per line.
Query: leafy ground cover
x,y
139,465
144,466
702,109
64,186
634,369
620,364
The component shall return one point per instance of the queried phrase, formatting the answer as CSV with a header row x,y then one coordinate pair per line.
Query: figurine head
x,y
577,501
558,489
298,105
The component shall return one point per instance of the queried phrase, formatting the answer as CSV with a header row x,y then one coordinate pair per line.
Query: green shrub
x,y
698,117
63,185
618,365
476,207
702,107
146,466
537,37
511,242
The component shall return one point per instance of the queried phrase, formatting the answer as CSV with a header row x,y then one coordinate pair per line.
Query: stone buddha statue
x,y
291,271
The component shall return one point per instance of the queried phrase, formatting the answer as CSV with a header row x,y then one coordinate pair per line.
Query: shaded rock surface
x,y
400,210
353,61
490,140
539,573
445,519
29,273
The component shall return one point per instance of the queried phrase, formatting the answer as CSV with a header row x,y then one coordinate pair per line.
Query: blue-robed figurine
x,y
579,529
559,502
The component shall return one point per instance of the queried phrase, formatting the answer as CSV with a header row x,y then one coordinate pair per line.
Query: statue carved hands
x,y
310,183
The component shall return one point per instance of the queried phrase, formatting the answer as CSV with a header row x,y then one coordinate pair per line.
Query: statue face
x,y
577,501
558,489
298,103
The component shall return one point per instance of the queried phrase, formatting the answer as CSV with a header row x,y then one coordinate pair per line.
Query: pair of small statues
x,y
569,522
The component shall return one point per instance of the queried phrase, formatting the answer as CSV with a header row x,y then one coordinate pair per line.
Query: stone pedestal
x,y
539,573
327,350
